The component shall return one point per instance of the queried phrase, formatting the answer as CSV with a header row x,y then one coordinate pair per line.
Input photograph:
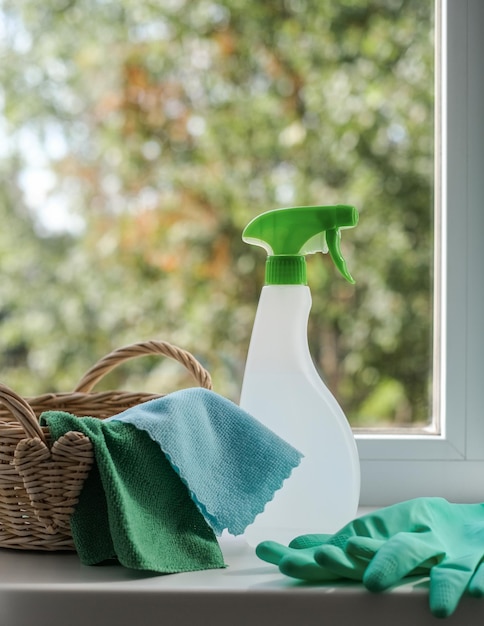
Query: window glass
x,y
137,140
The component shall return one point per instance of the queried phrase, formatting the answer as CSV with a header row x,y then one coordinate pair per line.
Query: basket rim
x,y
21,410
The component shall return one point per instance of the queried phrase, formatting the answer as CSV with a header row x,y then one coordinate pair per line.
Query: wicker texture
x,y
40,482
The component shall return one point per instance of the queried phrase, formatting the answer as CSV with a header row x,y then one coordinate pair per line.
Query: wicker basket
x,y
39,481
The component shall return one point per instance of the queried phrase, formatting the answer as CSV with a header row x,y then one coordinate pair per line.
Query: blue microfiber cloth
x,y
133,505
231,463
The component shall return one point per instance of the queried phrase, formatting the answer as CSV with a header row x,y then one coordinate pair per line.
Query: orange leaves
x,y
180,238
151,104
226,42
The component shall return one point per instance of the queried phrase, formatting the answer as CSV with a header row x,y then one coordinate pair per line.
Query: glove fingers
x,y
399,557
363,547
301,564
476,584
309,541
366,548
335,559
272,552
448,582
296,563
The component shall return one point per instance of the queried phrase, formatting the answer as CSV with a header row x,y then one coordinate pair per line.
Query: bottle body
x,y
282,389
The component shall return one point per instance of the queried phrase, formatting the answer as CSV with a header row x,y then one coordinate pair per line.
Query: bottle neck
x,y
286,270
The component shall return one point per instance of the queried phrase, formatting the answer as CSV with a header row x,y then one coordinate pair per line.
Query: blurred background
x,y
139,137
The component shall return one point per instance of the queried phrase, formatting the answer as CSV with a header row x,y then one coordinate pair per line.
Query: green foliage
x,y
164,128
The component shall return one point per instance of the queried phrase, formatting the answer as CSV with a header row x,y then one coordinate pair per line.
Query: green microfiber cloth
x,y
133,505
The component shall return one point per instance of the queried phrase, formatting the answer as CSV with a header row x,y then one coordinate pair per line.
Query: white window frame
x,y
451,463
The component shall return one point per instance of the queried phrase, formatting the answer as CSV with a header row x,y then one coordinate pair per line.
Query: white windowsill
x,y
55,589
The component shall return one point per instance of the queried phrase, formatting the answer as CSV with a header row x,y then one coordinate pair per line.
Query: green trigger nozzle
x,y
288,235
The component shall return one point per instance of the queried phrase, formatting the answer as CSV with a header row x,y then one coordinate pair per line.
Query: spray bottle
x,y
281,386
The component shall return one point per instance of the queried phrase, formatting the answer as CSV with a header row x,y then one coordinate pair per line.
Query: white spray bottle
x,y
281,387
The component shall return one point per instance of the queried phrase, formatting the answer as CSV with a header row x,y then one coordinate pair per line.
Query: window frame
x,y
396,467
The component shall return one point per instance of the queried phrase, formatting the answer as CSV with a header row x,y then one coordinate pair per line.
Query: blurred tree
x,y
140,137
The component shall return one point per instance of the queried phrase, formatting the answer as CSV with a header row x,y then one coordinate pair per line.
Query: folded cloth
x,y
133,505
231,463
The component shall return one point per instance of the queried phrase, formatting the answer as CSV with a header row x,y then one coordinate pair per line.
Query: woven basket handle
x,y
22,411
115,358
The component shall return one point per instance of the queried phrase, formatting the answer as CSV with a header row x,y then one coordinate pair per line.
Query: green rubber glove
x,y
424,535
297,560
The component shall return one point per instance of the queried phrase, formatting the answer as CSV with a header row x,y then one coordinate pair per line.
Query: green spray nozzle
x,y
297,231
